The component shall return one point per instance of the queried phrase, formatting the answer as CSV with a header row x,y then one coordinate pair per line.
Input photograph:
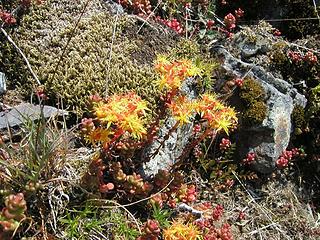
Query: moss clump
x,y
298,119
88,66
253,95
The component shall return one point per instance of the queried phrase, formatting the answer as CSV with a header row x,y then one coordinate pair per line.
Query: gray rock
x,y
170,151
272,137
250,43
175,143
114,7
3,86
20,114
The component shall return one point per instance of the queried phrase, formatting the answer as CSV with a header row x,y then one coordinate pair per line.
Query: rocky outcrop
x,y
269,139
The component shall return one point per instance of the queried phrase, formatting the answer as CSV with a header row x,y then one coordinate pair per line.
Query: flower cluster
x,y
217,115
117,116
180,231
224,144
151,230
172,74
297,57
251,157
286,156
12,213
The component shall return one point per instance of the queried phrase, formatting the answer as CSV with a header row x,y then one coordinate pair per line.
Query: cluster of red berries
x,y
187,193
223,233
197,151
7,18
277,32
217,212
251,157
238,82
224,144
151,230
230,19
286,156
310,58
139,7
142,7
239,13
294,56
174,24
210,23
297,57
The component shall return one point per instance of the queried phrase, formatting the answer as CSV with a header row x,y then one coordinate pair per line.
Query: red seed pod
x,y
230,21
210,23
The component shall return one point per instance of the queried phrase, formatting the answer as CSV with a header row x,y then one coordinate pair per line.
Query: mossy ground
x,y
105,54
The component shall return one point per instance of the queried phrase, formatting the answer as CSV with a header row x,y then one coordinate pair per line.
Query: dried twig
x,y
22,54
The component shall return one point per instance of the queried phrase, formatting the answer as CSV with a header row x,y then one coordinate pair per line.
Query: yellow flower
x,y
172,74
180,231
134,125
100,135
182,110
215,113
126,112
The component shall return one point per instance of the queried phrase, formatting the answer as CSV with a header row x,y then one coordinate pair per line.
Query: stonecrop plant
x,y
121,129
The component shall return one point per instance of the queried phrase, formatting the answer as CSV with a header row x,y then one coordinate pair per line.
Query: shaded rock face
x,y
272,137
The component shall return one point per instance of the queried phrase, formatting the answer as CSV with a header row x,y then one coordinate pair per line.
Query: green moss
x,y
252,91
253,96
298,118
255,114
88,65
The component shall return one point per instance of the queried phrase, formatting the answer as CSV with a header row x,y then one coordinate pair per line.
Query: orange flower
x,y
182,109
126,112
180,231
216,114
172,74
99,135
